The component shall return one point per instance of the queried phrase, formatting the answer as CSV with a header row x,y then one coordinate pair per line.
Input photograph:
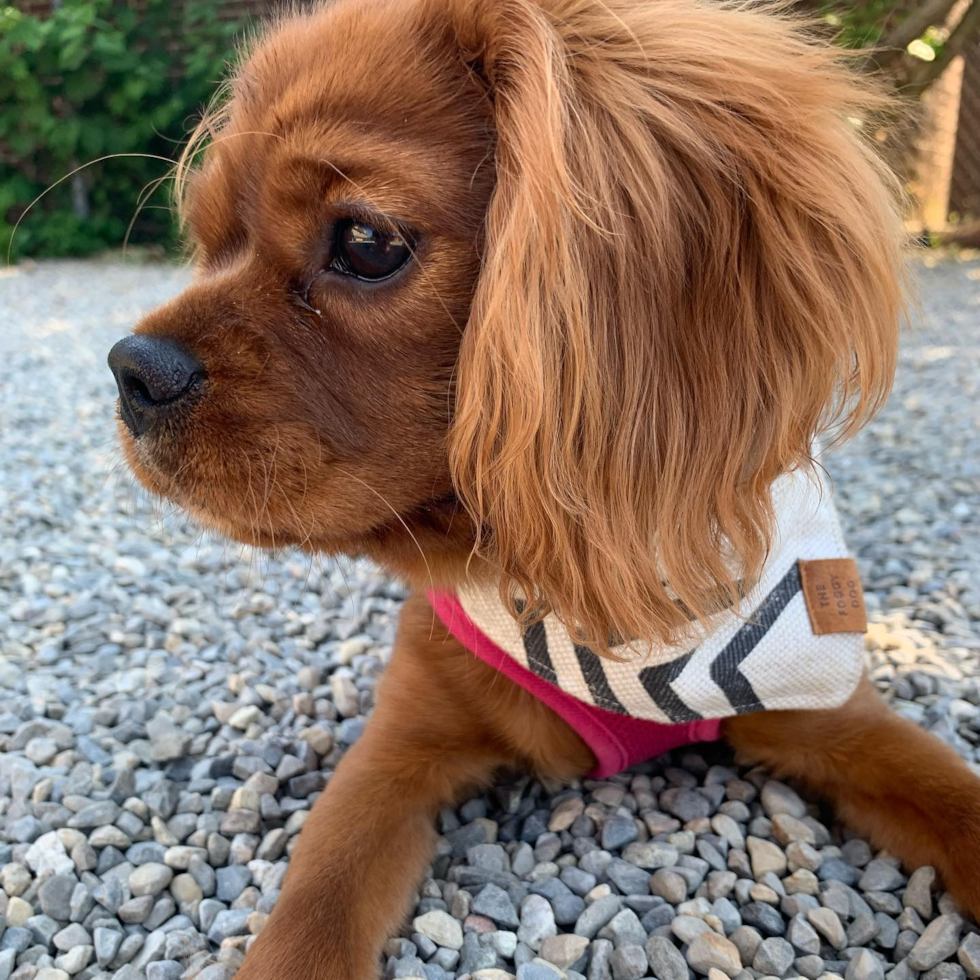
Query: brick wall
x,y
964,191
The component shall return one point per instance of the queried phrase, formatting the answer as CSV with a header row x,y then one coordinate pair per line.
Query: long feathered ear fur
x,y
692,270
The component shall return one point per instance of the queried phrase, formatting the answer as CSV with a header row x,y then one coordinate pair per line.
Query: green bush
x,y
865,24
96,78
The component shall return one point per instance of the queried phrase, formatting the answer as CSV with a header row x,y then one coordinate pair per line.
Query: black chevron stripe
x,y
725,669
538,657
657,681
595,676
536,647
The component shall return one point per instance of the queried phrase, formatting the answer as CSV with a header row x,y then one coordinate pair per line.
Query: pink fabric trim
x,y
617,742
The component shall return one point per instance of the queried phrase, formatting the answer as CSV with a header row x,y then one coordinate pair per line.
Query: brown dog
x,y
545,293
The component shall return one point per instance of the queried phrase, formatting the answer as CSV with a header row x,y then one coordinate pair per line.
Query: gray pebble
x,y
937,943
628,962
774,957
666,961
596,915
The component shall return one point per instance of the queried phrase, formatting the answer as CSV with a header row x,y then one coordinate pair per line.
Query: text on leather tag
x,y
833,594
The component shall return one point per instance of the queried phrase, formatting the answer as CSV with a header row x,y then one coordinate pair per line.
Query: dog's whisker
x,y
400,519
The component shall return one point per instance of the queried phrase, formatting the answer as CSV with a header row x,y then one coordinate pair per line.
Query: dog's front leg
x,y
361,855
443,723
901,787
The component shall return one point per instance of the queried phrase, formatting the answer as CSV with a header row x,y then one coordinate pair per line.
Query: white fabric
x,y
763,655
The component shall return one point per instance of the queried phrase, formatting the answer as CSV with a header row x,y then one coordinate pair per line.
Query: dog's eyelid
x,y
364,213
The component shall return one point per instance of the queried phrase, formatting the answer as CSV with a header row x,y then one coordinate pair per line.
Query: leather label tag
x,y
833,594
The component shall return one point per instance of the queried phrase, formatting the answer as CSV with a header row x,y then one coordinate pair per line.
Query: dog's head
x,y
565,281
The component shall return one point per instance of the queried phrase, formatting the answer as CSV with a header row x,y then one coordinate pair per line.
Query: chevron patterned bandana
x,y
761,655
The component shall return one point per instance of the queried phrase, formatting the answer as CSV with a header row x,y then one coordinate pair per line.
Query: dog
x,y
541,298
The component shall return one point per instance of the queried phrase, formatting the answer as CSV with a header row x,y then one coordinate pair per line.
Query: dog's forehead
x,y
387,66
370,92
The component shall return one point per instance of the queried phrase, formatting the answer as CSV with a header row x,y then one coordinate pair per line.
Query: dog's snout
x,y
155,376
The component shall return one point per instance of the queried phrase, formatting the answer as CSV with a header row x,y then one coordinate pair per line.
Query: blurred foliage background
x,y
87,80
90,78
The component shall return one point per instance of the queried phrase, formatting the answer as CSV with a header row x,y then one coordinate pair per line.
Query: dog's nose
x,y
155,375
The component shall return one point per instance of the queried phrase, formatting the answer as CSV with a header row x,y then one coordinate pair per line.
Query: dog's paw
x,y
288,951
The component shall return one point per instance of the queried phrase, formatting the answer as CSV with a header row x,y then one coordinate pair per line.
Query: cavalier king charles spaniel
x,y
545,305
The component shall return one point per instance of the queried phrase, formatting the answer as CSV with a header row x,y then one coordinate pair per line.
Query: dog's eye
x,y
369,253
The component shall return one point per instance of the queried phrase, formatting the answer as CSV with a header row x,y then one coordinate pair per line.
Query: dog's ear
x,y
692,270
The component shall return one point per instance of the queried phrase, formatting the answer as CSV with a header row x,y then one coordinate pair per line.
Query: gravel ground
x,y
173,705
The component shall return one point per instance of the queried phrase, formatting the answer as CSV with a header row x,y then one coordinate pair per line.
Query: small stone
x,y
802,935
227,923
164,970
862,929
595,916
802,882
787,829
241,822
688,927
47,856
232,881
777,797
774,957
810,967
828,924
72,935
75,959
800,855
14,879
441,928
319,739
41,750
651,855
565,814
628,962
937,943
16,939
185,889
669,885
345,695
245,716
945,971
150,879
54,896
95,815
666,962
918,892
628,878
711,951
765,857
107,942
618,831
50,973
685,804
564,950
135,910
880,876
537,970
864,965
765,918
624,929
18,911
969,955
494,903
